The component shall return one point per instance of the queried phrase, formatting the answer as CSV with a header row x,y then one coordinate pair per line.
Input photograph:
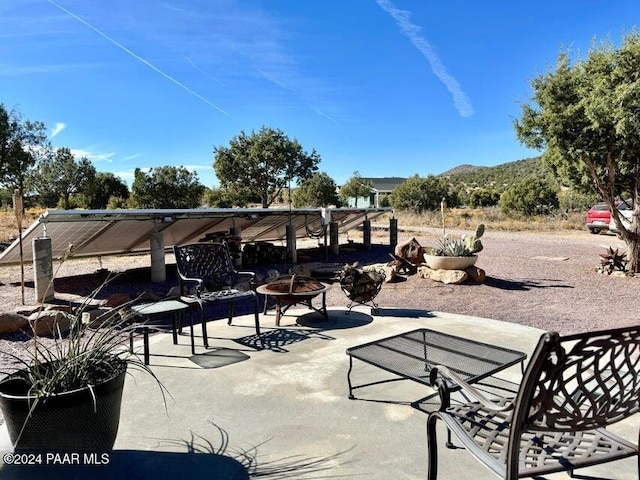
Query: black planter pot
x,y
71,421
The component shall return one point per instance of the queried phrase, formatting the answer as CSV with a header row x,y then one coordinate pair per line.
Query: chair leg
x,y
257,316
432,447
230,313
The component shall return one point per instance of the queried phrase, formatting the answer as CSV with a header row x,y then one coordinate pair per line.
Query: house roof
x,y
384,184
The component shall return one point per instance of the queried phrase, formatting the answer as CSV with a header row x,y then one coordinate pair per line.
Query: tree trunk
x,y
632,240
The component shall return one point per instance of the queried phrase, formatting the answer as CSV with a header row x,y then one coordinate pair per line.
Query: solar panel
x,y
111,232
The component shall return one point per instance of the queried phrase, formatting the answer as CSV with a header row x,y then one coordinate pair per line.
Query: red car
x,y
598,218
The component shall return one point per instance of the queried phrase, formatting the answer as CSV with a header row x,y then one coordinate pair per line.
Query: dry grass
x,y
466,219
9,224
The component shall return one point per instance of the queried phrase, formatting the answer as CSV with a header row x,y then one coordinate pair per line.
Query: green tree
x,y
483,197
317,191
264,162
22,144
585,115
356,188
419,194
62,176
106,185
530,196
228,197
165,187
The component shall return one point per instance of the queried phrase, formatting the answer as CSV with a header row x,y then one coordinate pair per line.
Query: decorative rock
x,y
100,317
12,322
476,274
116,300
444,276
424,272
449,276
411,251
49,323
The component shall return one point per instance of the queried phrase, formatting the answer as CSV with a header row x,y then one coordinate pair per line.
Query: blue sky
x,y
385,88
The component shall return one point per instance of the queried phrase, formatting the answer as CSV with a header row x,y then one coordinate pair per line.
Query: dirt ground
x,y
545,280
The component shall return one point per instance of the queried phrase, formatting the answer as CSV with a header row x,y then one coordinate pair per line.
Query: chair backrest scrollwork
x,y
209,262
581,382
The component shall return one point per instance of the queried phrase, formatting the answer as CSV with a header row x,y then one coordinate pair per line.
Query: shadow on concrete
x,y
138,464
291,466
337,320
521,285
219,357
277,339
404,312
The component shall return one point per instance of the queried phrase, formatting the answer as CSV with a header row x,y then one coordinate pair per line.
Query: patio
x,y
241,410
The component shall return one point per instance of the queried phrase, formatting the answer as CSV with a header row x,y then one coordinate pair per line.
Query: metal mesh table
x,y
411,355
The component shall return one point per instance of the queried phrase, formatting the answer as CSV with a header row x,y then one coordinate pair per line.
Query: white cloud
x,y
59,126
93,156
412,32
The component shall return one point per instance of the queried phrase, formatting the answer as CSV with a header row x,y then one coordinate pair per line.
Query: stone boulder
x,y
50,323
476,274
411,251
12,322
444,276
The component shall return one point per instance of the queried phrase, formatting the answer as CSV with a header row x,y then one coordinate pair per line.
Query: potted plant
x,y
454,253
66,393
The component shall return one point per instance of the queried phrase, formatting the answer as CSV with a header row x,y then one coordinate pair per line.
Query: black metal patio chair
x,y
206,275
574,387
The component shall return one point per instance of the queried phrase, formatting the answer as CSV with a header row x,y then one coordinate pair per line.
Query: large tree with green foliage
x,y
356,187
166,187
585,115
319,190
61,176
22,144
530,196
419,194
265,162
106,185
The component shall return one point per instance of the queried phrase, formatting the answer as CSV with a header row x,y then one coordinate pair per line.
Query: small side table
x,y
163,307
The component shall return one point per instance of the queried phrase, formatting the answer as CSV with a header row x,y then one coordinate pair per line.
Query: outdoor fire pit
x,y
361,287
289,290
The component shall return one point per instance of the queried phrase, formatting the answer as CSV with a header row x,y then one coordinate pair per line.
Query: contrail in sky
x,y
137,57
412,32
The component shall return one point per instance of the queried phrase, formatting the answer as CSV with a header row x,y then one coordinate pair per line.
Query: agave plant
x,y
613,260
463,246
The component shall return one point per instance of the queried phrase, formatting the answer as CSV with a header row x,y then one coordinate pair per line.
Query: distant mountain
x,y
462,169
498,177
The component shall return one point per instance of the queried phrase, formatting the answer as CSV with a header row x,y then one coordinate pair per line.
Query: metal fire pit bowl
x,y
289,290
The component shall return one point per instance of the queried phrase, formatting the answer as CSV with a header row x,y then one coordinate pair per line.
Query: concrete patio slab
x,y
243,409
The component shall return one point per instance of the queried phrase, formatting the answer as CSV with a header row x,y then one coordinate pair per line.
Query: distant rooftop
x,y
384,184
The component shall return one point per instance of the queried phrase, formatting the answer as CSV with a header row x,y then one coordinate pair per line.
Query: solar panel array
x,y
111,232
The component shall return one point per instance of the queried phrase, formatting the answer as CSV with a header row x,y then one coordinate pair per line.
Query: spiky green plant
x,y
613,260
85,358
463,246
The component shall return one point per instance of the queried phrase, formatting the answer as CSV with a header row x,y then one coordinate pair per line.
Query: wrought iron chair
x,y
208,268
574,387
